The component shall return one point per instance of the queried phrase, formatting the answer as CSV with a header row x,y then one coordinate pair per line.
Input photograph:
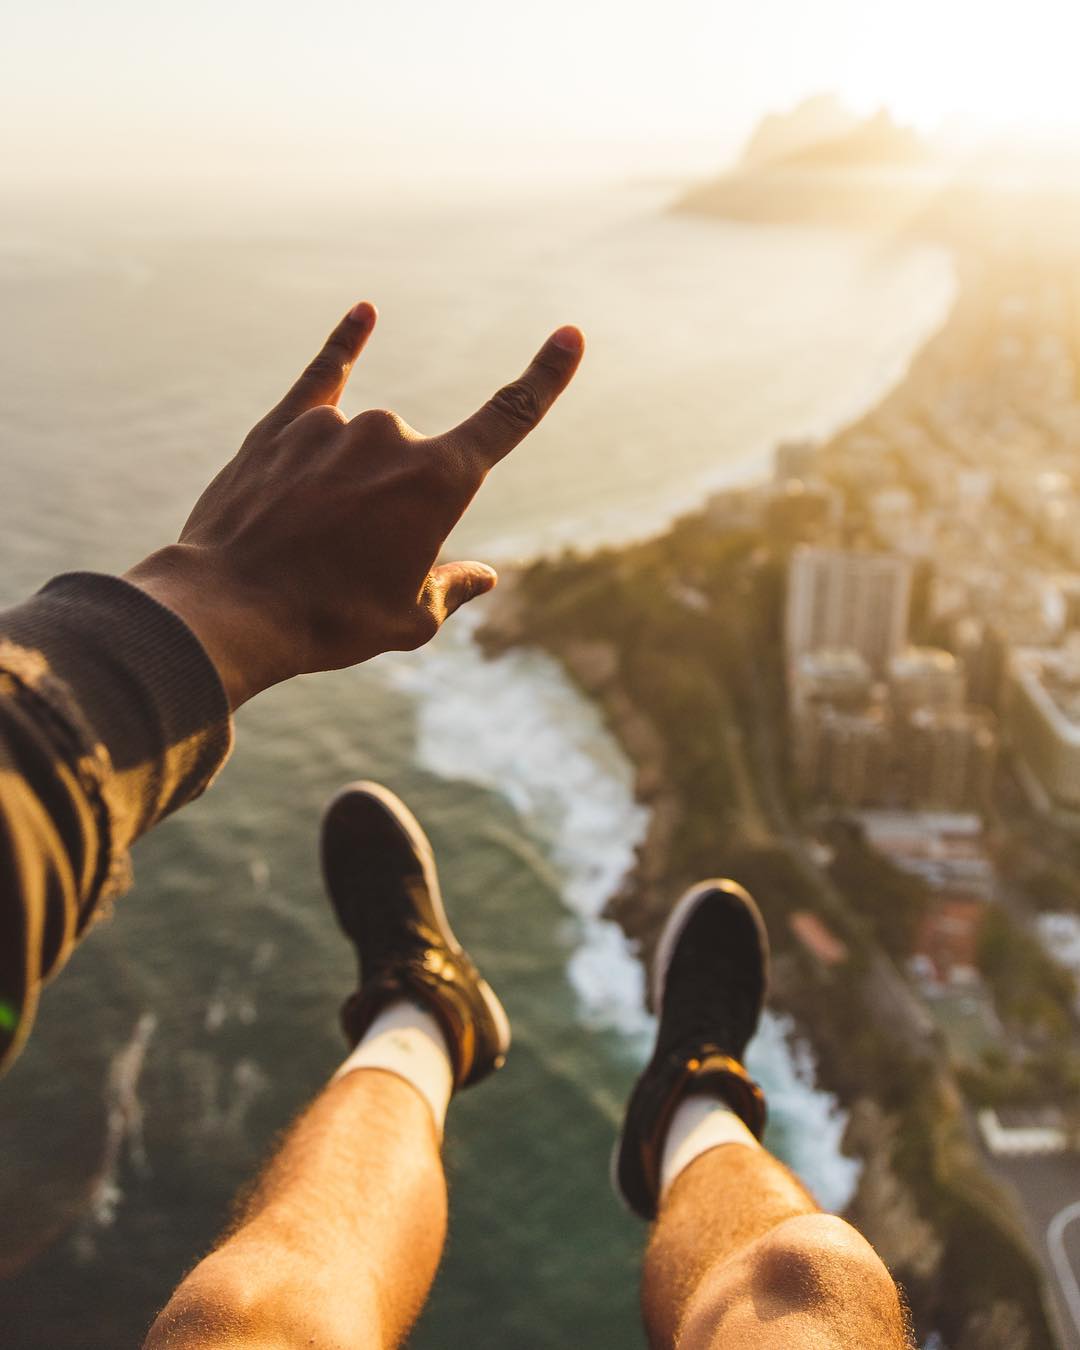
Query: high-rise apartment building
x,y
1043,718
844,756
950,758
925,677
839,599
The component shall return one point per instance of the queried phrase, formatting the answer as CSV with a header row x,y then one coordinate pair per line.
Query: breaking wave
x,y
518,726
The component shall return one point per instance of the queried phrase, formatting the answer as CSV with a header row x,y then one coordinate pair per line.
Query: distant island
x,y
820,132
820,163
827,684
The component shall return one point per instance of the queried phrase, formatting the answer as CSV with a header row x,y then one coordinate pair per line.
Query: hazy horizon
x,y
119,96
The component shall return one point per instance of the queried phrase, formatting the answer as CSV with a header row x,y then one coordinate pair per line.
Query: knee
x,y
219,1304
817,1263
226,1302
215,1306
811,1276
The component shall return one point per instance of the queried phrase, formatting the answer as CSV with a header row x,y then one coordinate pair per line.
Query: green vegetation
x,y
1053,886
987,1259
694,624
1049,1076
894,902
683,660
1031,991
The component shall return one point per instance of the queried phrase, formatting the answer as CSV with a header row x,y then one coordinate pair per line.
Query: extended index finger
x,y
323,380
514,410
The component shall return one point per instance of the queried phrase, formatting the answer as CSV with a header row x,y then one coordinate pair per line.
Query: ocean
x,y
195,1023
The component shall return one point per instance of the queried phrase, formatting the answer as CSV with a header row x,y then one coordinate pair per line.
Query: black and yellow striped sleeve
x,y
111,716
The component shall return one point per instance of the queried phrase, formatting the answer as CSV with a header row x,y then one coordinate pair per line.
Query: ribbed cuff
x,y
142,684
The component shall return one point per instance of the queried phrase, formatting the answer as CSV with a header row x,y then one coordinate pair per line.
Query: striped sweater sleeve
x,y
111,716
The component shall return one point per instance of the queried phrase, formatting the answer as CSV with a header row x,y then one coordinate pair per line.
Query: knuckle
x,y
379,421
323,418
519,403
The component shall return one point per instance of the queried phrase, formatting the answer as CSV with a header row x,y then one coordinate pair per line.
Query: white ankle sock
x,y
406,1040
699,1123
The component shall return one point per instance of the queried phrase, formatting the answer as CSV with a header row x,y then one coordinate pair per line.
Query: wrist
x,y
180,578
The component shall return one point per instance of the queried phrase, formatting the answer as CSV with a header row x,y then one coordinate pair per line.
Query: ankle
x,y
407,1040
699,1123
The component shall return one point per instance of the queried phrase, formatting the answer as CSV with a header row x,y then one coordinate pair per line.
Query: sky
x,y
205,89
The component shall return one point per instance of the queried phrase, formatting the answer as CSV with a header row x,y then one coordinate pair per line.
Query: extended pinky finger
x,y
514,410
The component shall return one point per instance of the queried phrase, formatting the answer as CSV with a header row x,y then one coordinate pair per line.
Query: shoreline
x,y
784,1050
912,1217
592,666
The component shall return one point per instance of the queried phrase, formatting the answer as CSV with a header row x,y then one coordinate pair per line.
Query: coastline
x,y
910,1221
592,665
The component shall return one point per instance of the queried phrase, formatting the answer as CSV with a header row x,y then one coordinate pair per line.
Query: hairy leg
x,y
741,1258
340,1241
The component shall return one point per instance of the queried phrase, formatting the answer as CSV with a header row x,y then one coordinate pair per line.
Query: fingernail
x,y
488,572
568,338
362,312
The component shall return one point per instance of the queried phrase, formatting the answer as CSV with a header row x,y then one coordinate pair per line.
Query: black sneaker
x,y
709,978
380,873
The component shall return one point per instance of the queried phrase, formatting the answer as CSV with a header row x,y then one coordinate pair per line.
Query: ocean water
x,y
192,1026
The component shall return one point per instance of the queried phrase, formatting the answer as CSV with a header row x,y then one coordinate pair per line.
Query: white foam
x,y
518,726
235,994
1060,937
809,1122
123,1135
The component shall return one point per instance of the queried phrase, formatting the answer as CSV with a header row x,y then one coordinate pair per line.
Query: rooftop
x,y
1051,676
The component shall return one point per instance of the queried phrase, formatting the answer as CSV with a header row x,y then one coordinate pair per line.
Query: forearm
x,y
111,716
316,547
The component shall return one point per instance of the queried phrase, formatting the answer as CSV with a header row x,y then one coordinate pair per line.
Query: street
x,y
1049,1192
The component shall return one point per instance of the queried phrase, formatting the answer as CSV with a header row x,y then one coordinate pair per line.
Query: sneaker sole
x,y
418,841
674,924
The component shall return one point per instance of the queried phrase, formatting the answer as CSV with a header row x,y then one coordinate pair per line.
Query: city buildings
x,y
950,756
947,946
876,722
944,848
840,678
845,757
925,677
1043,720
844,600
799,511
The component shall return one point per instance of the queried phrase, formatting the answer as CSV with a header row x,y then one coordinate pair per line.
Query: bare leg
x,y
340,1241
741,1258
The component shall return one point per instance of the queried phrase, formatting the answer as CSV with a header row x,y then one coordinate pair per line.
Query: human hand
x,y
316,547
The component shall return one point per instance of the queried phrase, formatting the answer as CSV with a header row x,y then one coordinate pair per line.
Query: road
x,y
1049,1192
1063,1242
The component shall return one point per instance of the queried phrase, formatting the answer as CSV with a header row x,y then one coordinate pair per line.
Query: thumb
x,y
457,583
